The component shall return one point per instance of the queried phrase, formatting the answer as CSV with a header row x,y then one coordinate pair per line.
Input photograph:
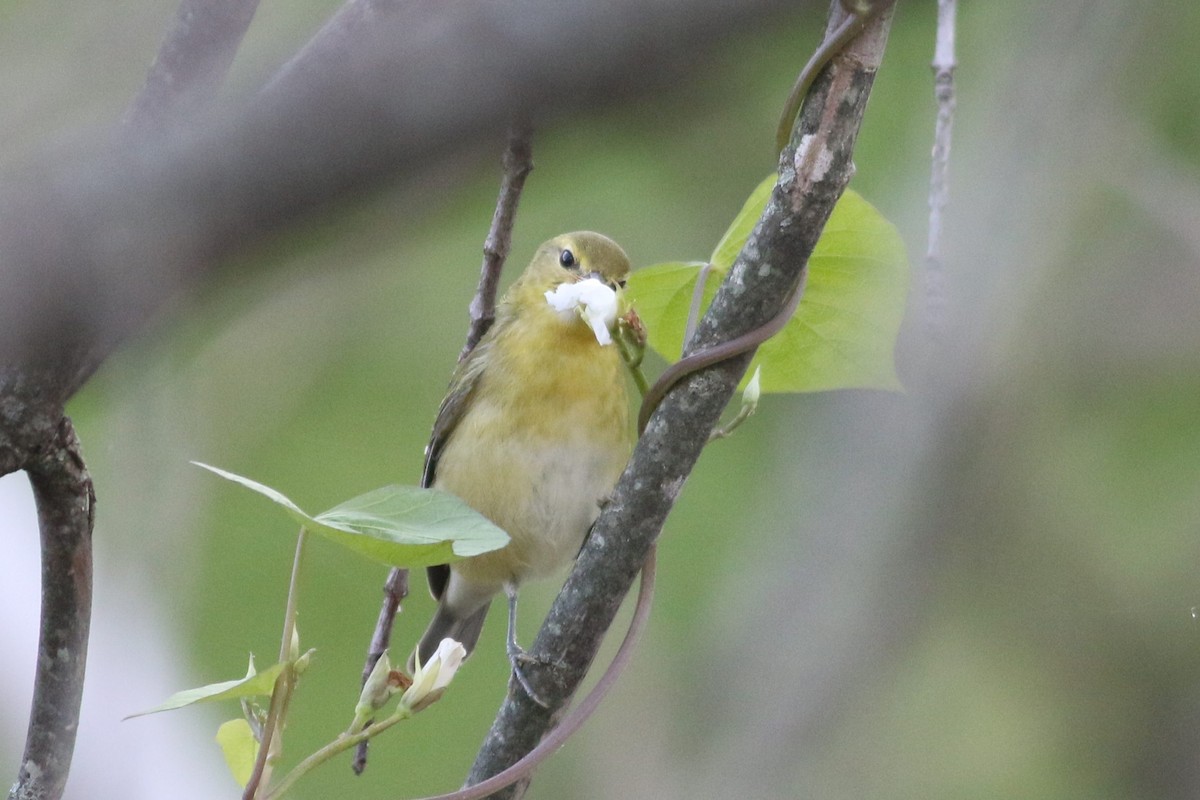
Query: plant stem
x,y
339,745
271,745
289,614
633,362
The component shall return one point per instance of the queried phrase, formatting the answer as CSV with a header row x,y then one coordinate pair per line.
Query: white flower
x,y
593,300
432,678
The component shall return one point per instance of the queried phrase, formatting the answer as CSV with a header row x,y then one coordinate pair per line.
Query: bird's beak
x,y
610,284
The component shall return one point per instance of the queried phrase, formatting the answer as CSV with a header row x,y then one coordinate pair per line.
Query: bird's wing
x,y
462,385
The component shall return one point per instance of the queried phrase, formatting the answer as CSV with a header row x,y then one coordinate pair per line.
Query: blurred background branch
x,y
939,188
983,587
192,61
117,226
38,438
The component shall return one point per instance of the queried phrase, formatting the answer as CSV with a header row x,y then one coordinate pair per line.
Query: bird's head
x,y
575,256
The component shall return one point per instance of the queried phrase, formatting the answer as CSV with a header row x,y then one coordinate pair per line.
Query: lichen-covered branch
x,y
814,170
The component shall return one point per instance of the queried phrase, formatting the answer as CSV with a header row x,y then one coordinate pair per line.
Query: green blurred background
x,y
985,587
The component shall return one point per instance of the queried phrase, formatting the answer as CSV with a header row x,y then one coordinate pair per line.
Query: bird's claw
x,y
518,658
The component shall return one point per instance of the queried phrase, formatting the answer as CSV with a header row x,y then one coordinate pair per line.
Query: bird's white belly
x,y
563,503
545,496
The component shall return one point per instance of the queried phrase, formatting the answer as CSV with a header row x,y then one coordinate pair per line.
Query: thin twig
x,y
943,82
66,506
270,746
193,59
518,163
395,589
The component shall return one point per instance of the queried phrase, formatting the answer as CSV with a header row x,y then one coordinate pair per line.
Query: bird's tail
x,y
448,623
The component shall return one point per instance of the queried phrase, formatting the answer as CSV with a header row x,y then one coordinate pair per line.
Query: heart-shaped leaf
x,y
843,333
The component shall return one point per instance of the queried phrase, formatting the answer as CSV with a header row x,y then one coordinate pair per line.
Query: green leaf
x,y
276,497
662,295
843,333
239,747
261,683
419,520
743,224
401,526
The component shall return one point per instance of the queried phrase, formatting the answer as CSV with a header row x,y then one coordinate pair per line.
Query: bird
x,y
533,433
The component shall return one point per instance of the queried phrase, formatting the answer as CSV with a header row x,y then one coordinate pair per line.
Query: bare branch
x,y
814,170
395,589
35,436
193,59
62,489
93,242
518,163
943,67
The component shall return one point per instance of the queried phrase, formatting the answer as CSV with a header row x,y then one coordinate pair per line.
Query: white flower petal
x,y
431,679
593,300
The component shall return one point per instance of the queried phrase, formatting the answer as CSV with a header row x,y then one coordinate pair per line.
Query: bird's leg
x,y
517,656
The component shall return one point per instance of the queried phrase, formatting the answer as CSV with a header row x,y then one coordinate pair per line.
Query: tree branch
x,y
62,489
192,61
37,437
814,170
518,163
94,241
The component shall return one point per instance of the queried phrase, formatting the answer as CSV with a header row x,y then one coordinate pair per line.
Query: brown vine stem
x,y
573,721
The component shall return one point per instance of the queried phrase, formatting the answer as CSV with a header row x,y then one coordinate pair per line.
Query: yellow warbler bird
x,y
533,432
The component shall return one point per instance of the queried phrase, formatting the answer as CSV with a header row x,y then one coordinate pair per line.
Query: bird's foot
x,y
519,658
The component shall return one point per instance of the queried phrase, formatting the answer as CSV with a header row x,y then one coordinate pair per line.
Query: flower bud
x,y
753,390
375,692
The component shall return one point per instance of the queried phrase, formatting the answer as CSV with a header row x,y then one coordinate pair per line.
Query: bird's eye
x,y
621,284
567,259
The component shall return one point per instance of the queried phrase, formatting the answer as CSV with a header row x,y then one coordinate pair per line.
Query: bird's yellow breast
x,y
544,439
